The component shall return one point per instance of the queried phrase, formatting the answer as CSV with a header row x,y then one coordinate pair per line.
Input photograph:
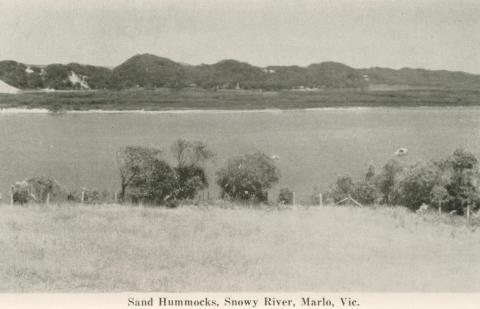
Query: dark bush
x,y
285,196
415,183
385,181
343,188
190,179
364,192
248,178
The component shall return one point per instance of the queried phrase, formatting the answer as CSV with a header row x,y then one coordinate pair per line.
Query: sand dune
x,y
6,88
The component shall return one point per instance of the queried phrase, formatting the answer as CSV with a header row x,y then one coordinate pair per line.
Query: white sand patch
x,y
76,79
23,111
6,88
29,70
48,90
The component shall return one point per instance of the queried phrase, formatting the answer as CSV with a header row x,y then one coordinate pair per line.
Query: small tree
x,y
135,164
439,196
415,184
385,181
248,178
285,196
188,153
343,188
190,179
191,176
462,168
364,192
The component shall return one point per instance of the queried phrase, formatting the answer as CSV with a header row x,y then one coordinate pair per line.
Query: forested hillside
x,y
150,71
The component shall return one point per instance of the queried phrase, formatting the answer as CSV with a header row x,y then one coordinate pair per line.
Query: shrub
x,y
385,181
285,196
343,188
415,185
156,186
191,177
135,165
37,189
248,178
439,196
364,192
462,173
144,176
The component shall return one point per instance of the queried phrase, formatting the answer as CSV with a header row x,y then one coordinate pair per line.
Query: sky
x,y
440,34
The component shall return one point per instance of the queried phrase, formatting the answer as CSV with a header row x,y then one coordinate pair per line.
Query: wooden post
x,y
320,199
48,198
83,197
11,196
208,195
440,208
468,214
115,197
293,198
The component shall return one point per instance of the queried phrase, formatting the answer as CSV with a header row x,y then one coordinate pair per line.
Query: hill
x,y
54,76
150,71
421,77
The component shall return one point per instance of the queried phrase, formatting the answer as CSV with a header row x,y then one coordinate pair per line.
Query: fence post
x,y
440,208
468,214
11,195
115,197
48,198
320,199
208,195
83,197
293,198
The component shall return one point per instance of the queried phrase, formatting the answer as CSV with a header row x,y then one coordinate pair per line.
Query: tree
x,y
415,184
364,192
386,180
191,176
462,170
343,188
189,153
285,196
190,179
439,196
135,166
248,178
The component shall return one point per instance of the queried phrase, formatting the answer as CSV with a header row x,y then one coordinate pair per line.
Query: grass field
x,y
194,98
73,248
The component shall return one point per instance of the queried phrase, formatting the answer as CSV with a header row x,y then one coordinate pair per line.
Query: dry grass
x,y
71,248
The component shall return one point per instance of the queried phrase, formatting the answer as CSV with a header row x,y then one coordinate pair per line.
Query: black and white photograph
x,y
239,146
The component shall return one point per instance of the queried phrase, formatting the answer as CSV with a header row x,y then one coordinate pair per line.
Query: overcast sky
x,y
429,34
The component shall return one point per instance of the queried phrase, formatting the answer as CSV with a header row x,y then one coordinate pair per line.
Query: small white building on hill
x,y
6,88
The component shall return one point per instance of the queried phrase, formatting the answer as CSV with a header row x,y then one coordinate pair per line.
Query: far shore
x,y
198,101
10,111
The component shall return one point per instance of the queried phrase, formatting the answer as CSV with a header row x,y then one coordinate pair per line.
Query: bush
x,y
190,180
37,189
285,196
385,181
155,187
248,178
415,184
364,192
145,178
462,176
191,177
343,188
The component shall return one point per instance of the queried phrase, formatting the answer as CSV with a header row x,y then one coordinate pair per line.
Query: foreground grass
x,y
72,248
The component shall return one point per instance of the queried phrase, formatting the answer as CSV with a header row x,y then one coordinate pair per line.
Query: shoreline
x,y
16,110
